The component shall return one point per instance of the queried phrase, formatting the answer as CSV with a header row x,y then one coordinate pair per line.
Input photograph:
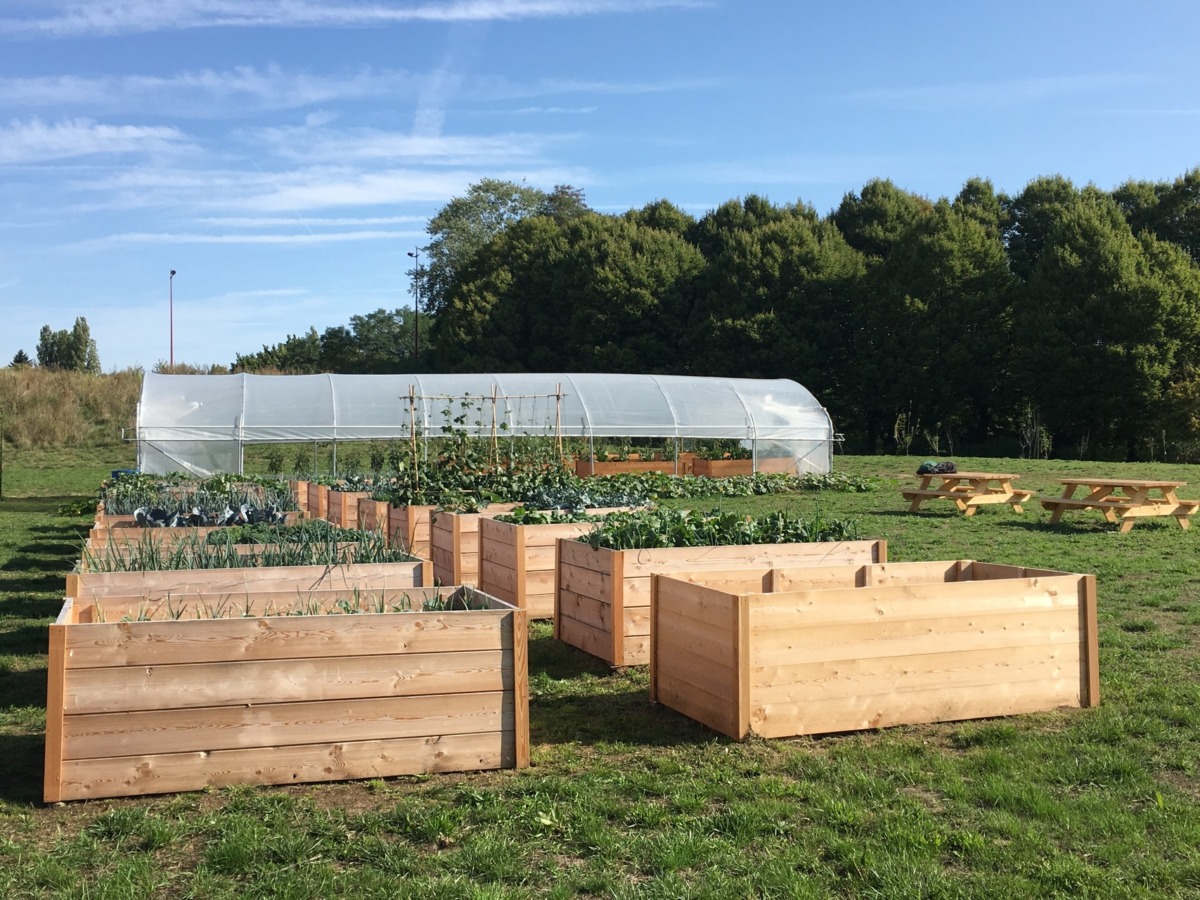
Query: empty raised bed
x,y
602,596
811,651
160,705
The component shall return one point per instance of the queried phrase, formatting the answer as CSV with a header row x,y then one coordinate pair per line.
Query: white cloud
x,y
550,110
327,146
206,93
330,190
991,94
180,238
494,88
318,221
68,18
35,141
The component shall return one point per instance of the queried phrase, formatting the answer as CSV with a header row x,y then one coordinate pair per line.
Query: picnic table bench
x,y
1123,500
968,490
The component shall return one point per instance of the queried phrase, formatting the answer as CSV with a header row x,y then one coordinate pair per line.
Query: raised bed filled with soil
x,y
602,596
723,468
148,707
586,467
293,581
825,650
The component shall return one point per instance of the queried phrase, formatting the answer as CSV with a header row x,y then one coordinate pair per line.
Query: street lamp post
x,y
171,301
416,255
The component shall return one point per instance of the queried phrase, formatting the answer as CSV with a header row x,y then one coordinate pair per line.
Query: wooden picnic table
x,y
1123,500
968,490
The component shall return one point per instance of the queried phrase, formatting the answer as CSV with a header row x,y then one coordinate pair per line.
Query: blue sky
x,y
284,155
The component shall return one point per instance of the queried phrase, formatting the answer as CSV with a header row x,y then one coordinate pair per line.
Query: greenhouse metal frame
x,y
200,424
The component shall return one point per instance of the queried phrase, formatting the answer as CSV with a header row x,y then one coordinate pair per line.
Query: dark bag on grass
x,y
929,467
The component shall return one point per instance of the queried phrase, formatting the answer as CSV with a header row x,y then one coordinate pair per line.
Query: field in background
x,y
628,800
46,409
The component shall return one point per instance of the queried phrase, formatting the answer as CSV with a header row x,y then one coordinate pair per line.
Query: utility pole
x,y
171,301
415,253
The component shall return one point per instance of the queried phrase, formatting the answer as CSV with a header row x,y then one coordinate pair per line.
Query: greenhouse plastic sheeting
x,y
200,423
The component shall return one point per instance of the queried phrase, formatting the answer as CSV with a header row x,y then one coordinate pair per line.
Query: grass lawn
x,y
627,800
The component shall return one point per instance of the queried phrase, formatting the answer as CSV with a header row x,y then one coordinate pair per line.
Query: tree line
x,y
1060,320
72,350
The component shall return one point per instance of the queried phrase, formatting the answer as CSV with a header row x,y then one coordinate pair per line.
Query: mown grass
x,y
625,800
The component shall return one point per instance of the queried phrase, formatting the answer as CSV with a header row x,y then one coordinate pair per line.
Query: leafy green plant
x,y
689,528
523,516
194,552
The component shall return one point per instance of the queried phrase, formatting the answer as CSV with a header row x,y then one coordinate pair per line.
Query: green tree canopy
x,y
73,350
1111,317
467,223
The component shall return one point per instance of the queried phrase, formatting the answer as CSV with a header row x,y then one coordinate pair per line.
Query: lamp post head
x,y
172,273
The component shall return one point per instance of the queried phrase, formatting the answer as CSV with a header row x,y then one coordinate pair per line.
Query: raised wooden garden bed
x,y
602,597
128,532
299,489
586,467
409,528
517,562
148,707
454,543
293,581
372,515
318,500
343,507
723,468
826,650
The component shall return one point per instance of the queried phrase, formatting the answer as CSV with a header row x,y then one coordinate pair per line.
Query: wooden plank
x,y
802,681
578,555
283,724
191,607
910,708
913,602
368,576
791,578
1089,642
283,637
592,612
691,640
52,787
698,704
886,574
904,638
703,603
586,582
636,621
730,581
635,650
154,774
520,689
284,680
741,637
585,637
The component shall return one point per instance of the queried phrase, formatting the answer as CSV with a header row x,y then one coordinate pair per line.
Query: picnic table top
x,y
1123,482
992,476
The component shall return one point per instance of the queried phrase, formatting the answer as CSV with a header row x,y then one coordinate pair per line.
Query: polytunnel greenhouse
x,y
201,423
